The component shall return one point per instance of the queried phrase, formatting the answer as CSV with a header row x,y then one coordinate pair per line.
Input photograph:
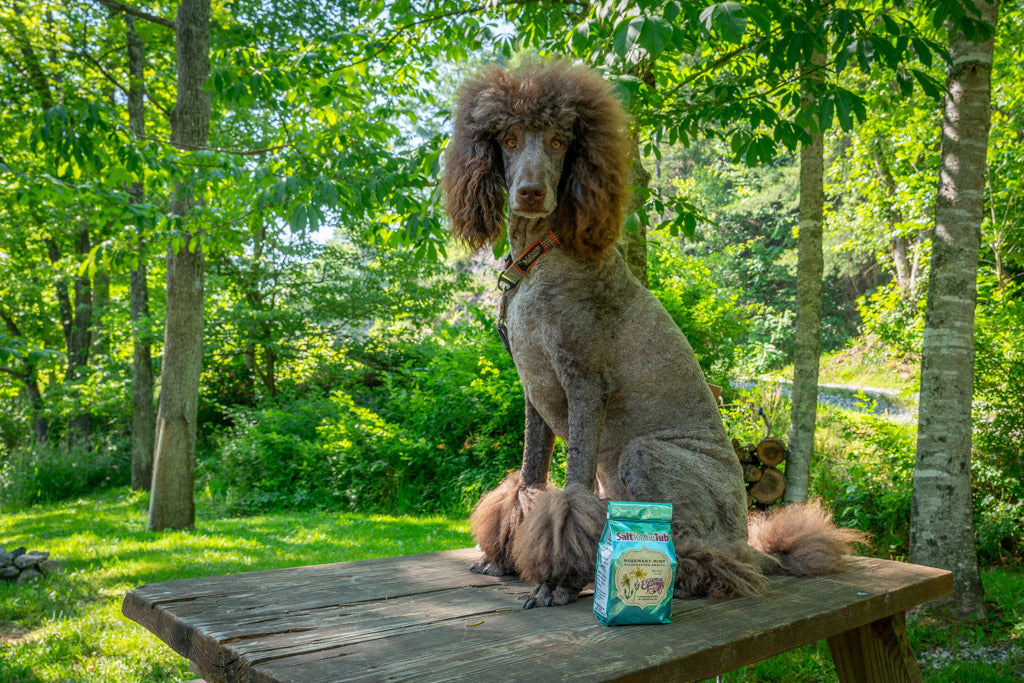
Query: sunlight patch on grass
x,y
69,626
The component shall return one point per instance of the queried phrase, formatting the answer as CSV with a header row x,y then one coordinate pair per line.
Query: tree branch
x,y
136,12
81,54
15,373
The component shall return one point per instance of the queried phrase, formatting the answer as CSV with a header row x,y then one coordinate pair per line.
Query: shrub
x,y
455,408
44,473
712,319
416,425
892,320
270,458
998,463
864,468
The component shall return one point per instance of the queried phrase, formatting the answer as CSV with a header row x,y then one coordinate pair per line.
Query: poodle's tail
x,y
802,539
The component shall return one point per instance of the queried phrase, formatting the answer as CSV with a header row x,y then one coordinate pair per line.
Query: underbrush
x,y
410,425
42,473
864,469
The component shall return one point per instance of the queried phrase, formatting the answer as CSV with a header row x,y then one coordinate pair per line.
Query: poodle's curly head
x,y
571,101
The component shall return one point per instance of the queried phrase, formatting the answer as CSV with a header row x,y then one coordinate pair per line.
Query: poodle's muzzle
x,y
533,167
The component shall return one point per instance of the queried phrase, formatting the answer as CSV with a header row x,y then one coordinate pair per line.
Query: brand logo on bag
x,y
630,536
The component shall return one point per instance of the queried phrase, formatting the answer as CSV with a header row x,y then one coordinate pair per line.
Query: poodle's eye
x,y
557,144
510,142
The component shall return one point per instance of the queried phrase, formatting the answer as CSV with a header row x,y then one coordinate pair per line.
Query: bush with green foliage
x,y
864,468
417,424
711,317
271,458
998,466
892,320
48,472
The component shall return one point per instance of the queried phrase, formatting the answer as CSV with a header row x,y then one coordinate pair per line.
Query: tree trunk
x,y
76,323
941,528
143,414
633,243
807,339
79,346
40,427
171,500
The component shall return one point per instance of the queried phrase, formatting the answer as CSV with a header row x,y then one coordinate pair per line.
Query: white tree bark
x,y
810,269
941,528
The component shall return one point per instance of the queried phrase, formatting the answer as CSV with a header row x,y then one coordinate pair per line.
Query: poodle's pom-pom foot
x,y
556,548
717,572
496,520
802,539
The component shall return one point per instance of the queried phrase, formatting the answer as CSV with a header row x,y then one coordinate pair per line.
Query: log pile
x,y
765,483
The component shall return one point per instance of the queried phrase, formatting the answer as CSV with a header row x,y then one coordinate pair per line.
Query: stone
x,y
30,574
6,558
30,559
9,572
18,551
49,566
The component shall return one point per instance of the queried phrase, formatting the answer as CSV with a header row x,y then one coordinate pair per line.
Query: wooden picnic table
x,y
426,617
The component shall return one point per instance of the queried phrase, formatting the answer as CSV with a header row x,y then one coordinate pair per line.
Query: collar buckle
x,y
515,271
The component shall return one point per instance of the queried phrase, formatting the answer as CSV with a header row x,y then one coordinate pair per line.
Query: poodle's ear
x,y
474,180
595,181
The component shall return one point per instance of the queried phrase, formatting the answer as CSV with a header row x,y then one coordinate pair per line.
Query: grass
x,y
863,364
68,627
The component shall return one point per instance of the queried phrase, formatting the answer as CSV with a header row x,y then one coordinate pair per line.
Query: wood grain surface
x,y
426,617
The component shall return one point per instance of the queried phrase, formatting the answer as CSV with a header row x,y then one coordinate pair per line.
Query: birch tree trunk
x,y
807,339
171,500
941,528
143,415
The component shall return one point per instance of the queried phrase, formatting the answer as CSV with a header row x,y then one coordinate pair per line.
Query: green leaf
x,y
632,223
844,109
931,87
728,18
924,53
297,221
626,35
655,34
760,17
579,40
905,82
827,112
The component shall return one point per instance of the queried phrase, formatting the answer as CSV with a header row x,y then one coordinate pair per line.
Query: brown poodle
x,y
602,364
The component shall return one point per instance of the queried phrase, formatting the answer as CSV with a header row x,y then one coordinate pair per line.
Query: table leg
x,y
878,651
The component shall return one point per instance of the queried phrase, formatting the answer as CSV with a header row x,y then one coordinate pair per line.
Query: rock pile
x,y
22,567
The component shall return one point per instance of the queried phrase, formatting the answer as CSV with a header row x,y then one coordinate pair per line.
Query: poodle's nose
x,y
531,192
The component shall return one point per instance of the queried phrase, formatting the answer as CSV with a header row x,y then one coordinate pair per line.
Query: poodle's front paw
x,y
556,549
545,595
496,521
486,565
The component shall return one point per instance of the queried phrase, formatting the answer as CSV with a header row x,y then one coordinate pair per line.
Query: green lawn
x,y
69,627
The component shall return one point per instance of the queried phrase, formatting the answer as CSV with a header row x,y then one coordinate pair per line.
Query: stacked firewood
x,y
765,483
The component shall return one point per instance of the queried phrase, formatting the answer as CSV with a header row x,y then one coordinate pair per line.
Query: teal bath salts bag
x,y
636,565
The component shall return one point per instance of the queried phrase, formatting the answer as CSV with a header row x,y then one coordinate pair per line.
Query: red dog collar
x,y
516,270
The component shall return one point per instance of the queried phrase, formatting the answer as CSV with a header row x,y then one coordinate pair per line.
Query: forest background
x,y
347,358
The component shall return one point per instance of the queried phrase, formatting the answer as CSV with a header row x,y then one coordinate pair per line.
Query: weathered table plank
x,y
427,617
